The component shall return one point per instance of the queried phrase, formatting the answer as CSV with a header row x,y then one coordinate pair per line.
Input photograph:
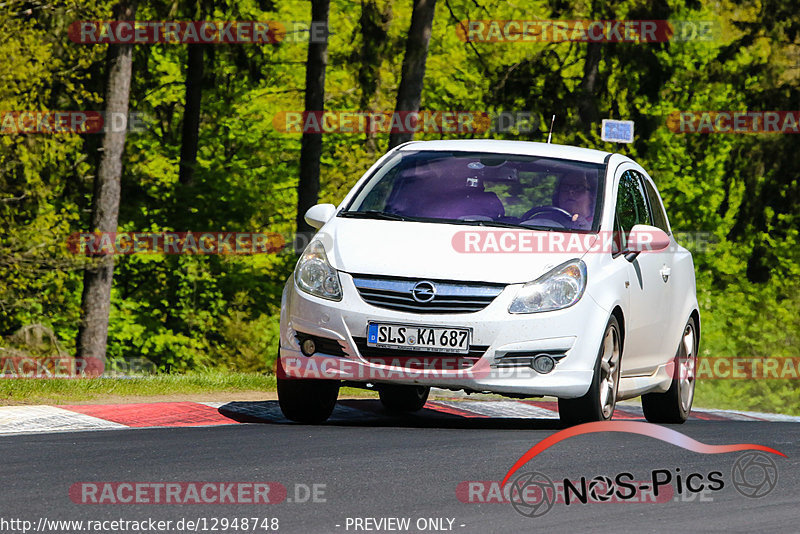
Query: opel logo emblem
x,y
423,291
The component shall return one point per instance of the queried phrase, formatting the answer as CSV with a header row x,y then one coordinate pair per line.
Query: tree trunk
x,y
191,113
374,25
311,144
409,93
96,297
587,101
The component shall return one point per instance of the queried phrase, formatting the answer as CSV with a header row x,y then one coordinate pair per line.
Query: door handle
x,y
665,272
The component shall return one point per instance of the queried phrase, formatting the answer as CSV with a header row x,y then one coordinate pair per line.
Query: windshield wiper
x,y
513,225
495,224
382,215
375,214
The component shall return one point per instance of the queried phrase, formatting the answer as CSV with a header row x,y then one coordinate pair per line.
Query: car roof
x,y
526,148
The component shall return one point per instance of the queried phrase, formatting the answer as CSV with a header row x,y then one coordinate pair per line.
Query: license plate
x,y
423,338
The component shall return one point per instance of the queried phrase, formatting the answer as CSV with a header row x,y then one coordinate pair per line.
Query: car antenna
x,y
552,121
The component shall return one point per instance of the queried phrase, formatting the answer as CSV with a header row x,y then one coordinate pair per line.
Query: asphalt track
x,y
416,467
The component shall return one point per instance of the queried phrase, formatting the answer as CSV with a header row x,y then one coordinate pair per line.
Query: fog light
x,y
543,364
308,347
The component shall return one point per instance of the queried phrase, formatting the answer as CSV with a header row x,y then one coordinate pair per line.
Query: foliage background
x,y
186,312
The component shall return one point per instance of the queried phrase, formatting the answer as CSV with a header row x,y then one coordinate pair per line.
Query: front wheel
x,y
675,405
306,401
599,402
399,399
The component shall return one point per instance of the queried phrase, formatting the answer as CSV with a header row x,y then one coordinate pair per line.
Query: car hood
x,y
436,251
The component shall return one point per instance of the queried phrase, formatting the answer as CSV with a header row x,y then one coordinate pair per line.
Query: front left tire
x,y
306,401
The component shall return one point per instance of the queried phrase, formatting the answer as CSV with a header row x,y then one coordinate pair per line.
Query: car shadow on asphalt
x,y
370,413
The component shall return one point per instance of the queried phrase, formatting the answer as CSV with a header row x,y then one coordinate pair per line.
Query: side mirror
x,y
318,215
645,238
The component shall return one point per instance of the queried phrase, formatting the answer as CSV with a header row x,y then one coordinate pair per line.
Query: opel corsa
x,y
514,268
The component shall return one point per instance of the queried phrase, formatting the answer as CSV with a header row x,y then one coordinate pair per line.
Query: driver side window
x,y
631,208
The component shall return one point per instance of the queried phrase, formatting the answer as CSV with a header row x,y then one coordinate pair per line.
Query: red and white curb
x,y
47,419
36,419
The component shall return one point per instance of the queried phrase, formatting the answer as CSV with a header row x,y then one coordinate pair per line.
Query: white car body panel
x,y
385,247
653,311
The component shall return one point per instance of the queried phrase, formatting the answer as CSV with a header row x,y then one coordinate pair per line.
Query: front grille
x,y
412,359
324,345
448,297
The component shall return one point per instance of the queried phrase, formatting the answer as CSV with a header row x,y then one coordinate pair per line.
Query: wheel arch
x,y
617,312
696,316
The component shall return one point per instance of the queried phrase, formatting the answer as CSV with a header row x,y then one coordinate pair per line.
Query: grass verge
x,y
771,396
198,385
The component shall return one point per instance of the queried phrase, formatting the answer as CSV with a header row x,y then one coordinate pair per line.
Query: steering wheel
x,y
551,210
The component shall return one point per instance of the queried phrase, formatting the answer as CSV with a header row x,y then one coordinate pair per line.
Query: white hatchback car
x,y
516,268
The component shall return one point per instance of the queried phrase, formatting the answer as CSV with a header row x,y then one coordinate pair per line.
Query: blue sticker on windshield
x,y
475,165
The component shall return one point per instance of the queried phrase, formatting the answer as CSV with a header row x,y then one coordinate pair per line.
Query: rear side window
x,y
659,217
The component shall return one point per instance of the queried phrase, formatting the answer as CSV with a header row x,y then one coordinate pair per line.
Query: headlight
x,y
315,275
560,288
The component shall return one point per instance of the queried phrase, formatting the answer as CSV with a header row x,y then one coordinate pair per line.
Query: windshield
x,y
483,189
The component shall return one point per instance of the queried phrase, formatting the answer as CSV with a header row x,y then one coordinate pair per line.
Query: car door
x,y
647,283
670,272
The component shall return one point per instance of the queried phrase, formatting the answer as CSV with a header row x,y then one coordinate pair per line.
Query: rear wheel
x,y
599,402
398,399
675,405
306,401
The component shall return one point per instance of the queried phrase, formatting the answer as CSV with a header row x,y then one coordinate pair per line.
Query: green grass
x,y
772,396
61,391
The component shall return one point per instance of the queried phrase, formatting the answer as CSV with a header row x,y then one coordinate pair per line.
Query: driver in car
x,y
575,195
573,203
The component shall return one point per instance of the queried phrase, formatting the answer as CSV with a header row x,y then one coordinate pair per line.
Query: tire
x,y
403,399
306,401
599,402
674,406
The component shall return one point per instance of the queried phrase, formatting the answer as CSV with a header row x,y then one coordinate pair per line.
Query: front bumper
x,y
574,332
